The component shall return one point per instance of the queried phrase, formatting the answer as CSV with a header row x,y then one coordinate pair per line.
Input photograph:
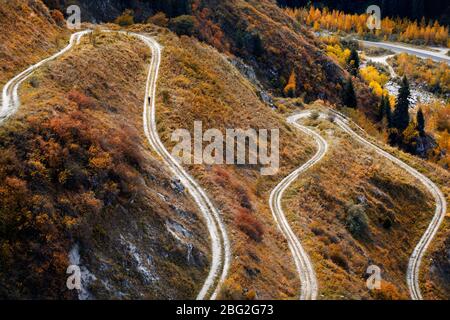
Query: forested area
x,y
413,9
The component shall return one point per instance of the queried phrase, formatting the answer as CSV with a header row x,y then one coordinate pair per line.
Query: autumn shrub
x,y
442,118
166,97
338,257
183,25
244,199
58,17
34,82
314,115
317,229
83,101
210,31
388,291
357,221
248,224
125,19
159,19
230,290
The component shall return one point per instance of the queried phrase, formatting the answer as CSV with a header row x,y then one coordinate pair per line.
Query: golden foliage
x,y
338,53
391,29
291,87
435,75
159,19
388,291
438,123
125,19
370,74
376,81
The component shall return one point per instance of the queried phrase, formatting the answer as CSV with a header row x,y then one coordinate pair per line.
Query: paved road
x,y
422,53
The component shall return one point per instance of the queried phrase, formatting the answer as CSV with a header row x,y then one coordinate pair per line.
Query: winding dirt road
x,y
413,271
305,269
221,251
10,96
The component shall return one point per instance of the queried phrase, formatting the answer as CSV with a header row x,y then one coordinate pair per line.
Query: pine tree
x,y
388,112
349,96
401,113
421,122
353,62
381,109
385,113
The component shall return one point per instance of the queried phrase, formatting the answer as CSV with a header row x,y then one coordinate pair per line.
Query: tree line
x,y
393,29
412,9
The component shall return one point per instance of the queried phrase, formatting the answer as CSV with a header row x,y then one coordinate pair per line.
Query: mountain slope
x,y
199,84
257,31
29,34
377,209
79,186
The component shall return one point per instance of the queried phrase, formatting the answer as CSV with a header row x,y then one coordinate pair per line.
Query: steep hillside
x,y
198,83
79,185
106,11
257,31
29,34
355,210
273,44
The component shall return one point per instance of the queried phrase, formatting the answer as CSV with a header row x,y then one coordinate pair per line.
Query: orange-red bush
x,y
83,101
248,224
58,17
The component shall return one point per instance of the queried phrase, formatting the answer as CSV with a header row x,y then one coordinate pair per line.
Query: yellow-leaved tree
x,y
291,87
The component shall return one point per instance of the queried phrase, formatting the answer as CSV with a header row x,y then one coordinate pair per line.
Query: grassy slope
x,y
202,85
319,200
209,91
28,35
76,169
435,278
